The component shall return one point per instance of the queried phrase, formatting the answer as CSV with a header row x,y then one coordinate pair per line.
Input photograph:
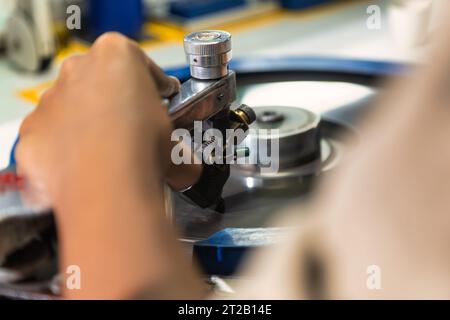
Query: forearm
x,y
122,239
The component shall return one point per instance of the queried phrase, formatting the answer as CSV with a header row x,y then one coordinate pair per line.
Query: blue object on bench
x,y
301,4
124,16
222,253
12,155
190,9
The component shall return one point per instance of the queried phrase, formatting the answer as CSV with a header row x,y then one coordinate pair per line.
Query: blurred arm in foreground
x,y
387,209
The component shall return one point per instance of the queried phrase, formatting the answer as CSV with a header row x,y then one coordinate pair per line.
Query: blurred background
x,y
42,33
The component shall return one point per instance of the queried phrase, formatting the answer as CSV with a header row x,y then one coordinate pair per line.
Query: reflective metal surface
x,y
277,132
208,53
316,96
253,199
199,100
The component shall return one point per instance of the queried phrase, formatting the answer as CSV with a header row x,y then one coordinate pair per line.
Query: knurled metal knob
x,y
208,53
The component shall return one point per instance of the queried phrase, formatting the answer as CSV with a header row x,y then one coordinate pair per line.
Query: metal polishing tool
x,y
207,97
29,41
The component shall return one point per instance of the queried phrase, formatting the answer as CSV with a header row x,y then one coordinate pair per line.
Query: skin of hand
x,y
385,214
97,151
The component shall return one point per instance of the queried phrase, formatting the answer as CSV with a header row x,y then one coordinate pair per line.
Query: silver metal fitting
x,y
208,53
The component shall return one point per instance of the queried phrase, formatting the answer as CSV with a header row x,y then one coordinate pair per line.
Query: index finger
x,y
167,85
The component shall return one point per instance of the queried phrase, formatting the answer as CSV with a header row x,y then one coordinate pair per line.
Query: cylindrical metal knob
x,y
208,53
296,131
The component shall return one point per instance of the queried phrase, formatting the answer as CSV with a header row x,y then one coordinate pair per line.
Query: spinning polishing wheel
x,y
314,103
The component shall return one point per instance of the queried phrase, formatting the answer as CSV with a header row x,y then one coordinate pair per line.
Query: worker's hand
x,y
104,113
97,150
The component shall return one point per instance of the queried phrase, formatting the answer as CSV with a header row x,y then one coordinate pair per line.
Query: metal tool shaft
x,y
199,100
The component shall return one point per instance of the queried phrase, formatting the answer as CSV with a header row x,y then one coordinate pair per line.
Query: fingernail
x,y
174,86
